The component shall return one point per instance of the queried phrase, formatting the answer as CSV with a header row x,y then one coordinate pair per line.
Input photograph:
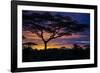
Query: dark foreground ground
x,y
30,55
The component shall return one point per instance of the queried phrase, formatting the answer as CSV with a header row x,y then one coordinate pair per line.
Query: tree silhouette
x,y
23,37
29,44
56,25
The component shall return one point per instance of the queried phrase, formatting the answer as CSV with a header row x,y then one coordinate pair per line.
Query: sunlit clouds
x,y
64,41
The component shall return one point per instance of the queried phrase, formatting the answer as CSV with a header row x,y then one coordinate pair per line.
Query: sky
x,y
64,41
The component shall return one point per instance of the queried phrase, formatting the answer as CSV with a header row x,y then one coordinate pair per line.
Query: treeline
x,y
75,53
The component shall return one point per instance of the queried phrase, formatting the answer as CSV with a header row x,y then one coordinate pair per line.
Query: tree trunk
x,y
45,45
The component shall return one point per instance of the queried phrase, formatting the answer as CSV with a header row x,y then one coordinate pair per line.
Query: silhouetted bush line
x,y
30,55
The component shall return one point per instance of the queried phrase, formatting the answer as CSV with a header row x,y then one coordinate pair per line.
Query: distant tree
x,y
63,47
76,47
23,37
56,25
87,46
29,44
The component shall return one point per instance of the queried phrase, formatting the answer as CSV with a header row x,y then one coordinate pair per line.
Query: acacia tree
x,y
56,25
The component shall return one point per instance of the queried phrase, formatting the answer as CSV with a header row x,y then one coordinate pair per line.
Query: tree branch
x,y
54,37
42,35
